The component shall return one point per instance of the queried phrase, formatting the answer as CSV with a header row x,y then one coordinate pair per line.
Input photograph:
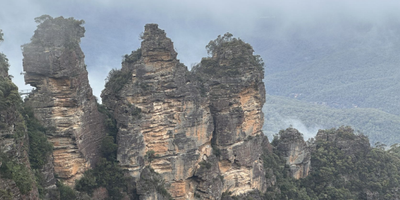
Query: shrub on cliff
x,y
39,147
133,57
106,174
9,97
17,172
58,31
230,57
342,167
116,80
66,193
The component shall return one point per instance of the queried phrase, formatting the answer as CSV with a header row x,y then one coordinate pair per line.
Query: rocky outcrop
x,y
198,130
344,139
295,151
163,120
232,78
62,99
14,143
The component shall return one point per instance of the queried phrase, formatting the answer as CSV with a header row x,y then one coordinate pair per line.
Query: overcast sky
x,y
113,27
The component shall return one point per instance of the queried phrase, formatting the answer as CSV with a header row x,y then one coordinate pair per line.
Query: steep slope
x,y
343,166
201,132
232,78
16,178
62,99
163,120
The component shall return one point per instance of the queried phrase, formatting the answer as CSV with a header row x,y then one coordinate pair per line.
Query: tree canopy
x,y
58,31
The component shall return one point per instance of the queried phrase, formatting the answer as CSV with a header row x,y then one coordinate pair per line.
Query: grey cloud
x,y
113,27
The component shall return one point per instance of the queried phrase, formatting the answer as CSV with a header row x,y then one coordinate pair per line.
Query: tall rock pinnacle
x,y
62,99
163,120
199,130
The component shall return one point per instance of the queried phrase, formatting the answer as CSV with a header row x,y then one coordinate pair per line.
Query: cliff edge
x,y
62,99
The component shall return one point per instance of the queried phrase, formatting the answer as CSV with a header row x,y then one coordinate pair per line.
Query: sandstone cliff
x,y
232,78
163,120
296,152
62,99
200,134
16,178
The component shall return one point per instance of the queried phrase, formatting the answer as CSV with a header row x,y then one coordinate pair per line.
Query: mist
x,y
113,27
308,132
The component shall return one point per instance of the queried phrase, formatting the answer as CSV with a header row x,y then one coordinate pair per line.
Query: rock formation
x,y
199,133
295,150
14,161
62,99
232,78
163,120
344,139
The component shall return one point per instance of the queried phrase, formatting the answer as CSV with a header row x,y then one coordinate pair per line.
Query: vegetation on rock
x,y
39,147
20,174
230,56
342,168
106,174
49,29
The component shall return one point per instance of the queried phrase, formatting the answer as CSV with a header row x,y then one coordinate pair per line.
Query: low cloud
x,y
307,131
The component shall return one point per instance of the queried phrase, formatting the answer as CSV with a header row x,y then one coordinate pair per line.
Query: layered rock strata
x,y
198,130
232,78
163,120
62,99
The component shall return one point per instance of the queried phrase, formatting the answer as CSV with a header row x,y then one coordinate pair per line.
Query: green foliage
x,y
150,155
106,174
109,121
66,193
50,31
376,124
9,96
341,176
116,79
39,147
216,151
286,187
238,55
18,173
336,174
3,64
5,195
149,179
214,45
205,164
133,57
1,35
109,148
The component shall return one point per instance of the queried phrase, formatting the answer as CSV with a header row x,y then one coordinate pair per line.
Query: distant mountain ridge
x,y
344,65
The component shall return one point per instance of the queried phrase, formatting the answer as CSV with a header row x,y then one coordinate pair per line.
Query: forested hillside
x,y
350,68
281,112
344,167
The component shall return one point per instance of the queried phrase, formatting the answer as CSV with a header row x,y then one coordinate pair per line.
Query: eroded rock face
x,y
295,150
200,131
232,78
62,99
14,141
163,120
